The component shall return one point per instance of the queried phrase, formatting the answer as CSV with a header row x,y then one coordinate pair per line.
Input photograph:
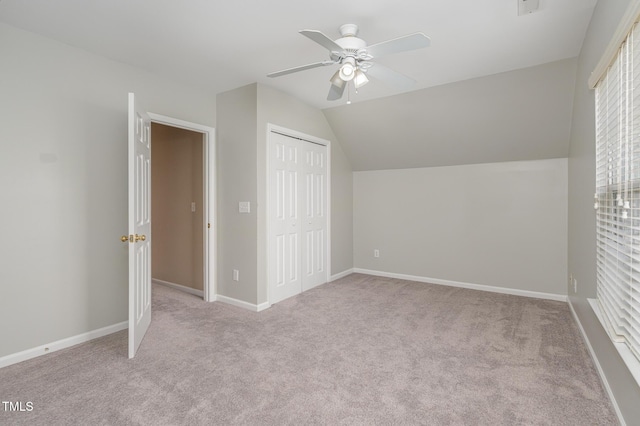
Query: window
x,y
617,197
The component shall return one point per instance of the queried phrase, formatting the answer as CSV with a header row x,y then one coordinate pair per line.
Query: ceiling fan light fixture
x,y
336,80
360,79
348,69
347,72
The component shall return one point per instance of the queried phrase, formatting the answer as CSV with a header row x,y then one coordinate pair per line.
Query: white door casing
x,y
139,184
298,206
209,196
210,289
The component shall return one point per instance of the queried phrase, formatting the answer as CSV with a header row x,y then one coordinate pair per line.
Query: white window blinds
x,y
617,198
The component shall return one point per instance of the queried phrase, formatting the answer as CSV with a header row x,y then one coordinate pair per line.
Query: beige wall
x,y
497,224
176,182
582,222
237,181
63,184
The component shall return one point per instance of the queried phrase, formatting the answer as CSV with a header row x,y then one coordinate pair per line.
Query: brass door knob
x,y
140,237
124,238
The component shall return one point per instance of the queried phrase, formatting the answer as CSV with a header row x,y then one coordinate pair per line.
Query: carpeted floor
x,y
362,350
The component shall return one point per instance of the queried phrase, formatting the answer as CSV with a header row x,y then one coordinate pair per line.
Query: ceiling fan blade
x,y
322,40
335,92
397,45
300,68
390,77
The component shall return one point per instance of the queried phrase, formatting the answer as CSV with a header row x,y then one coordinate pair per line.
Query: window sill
x,y
627,356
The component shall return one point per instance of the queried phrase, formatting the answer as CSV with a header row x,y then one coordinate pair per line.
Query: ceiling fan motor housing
x,y
349,42
348,30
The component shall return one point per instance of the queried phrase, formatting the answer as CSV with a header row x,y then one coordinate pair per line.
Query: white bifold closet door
x,y
298,216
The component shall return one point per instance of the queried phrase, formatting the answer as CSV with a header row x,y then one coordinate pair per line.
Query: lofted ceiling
x,y
493,86
517,115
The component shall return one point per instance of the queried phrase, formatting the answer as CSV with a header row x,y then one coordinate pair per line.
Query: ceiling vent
x,y
526,7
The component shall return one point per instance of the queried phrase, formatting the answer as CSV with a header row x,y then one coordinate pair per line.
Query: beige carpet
x,y
362,350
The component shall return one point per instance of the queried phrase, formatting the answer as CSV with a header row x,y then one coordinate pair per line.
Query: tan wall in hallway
x,y
176,182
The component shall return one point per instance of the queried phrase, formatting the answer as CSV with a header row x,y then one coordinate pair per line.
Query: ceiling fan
x,y
355,59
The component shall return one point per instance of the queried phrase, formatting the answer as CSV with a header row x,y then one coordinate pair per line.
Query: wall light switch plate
x,y
244,207
526,7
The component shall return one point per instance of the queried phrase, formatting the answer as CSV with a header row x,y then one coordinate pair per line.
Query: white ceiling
x,y
218,46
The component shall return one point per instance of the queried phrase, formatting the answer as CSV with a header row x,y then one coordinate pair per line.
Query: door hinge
x,y
208,225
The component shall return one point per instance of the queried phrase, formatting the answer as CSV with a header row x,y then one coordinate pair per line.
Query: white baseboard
x,y
504,290
242,303
180,287
596,362
341,275
267,305
61,344
263,306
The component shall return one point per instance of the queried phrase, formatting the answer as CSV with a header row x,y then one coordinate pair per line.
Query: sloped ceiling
x,y
516,115
483,92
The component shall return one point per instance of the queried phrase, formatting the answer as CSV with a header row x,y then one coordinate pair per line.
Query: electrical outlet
x,y
376,253
575,285
236,275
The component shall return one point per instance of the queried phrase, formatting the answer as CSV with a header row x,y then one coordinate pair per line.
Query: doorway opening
x,y
182,206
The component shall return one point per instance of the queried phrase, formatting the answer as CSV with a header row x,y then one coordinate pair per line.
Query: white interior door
x,y
285,217
298,215
139,224
315,215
